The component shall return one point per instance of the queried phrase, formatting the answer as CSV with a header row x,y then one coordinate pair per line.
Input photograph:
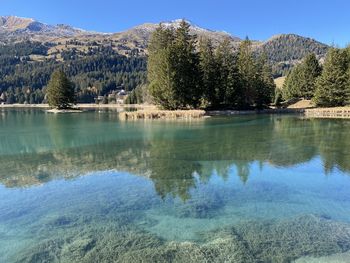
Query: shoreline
x,y
148,110
328,113
250,112
79,105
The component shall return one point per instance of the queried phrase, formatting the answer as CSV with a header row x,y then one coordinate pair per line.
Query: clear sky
x,y
324,20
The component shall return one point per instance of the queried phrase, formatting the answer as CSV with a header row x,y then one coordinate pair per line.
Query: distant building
x,y
99,100
122,93
114,97
3,98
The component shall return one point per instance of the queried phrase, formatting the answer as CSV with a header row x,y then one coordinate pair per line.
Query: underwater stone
x,y
256,241
287,240
205,206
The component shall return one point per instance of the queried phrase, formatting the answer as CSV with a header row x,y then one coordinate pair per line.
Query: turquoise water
x,y
90,188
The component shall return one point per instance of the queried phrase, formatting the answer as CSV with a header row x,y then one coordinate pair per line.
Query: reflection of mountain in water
x,y
171,159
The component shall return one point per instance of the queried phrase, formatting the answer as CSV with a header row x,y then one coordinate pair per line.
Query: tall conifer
x,y
332,86
60,91
185,60
248,71
265,88
209,72
160,69
310,71
228,86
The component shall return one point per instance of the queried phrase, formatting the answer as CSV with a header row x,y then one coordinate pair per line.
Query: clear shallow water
x,y
88,188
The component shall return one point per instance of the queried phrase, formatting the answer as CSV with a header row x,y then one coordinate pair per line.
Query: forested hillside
x,y
25,70
285,51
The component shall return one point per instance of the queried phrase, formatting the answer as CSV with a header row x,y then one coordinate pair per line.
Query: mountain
x,y
18,28
289,47
286,50
142,33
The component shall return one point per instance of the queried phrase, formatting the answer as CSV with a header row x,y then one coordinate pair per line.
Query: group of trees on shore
x,y
328,85
186,73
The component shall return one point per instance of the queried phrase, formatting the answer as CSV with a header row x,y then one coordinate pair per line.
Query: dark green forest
x,y
284,51
96,72
327,85
182,76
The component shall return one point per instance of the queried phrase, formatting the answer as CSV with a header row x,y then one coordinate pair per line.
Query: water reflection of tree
x,y
293,142
172,168
333,139
172,161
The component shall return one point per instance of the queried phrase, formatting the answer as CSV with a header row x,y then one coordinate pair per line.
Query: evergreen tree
x,y
136,96
266,87
247,68
10,99
209,73
186,73
332,87
228,86
160,69
173,70
292,83
301,81
310,71
60,91
277,97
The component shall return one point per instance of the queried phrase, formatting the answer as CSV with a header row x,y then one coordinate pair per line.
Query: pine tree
x,y
159,68
266,87
136,96
173,70
292,83
185,60
277,97
310,71
60,91
209,72
301,81
332,86
228,86
248,71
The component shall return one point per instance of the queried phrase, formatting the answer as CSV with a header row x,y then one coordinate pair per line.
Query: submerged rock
x,y
248,242
202,206
45,251
195,209
287,240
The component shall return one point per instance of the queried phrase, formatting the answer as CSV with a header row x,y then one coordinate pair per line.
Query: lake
x,y
90,188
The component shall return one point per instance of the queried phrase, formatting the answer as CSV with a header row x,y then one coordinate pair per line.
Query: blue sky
x,y
326,21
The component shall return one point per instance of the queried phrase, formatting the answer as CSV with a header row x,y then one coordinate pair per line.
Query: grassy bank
x,y
338,112
64,111
162,114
